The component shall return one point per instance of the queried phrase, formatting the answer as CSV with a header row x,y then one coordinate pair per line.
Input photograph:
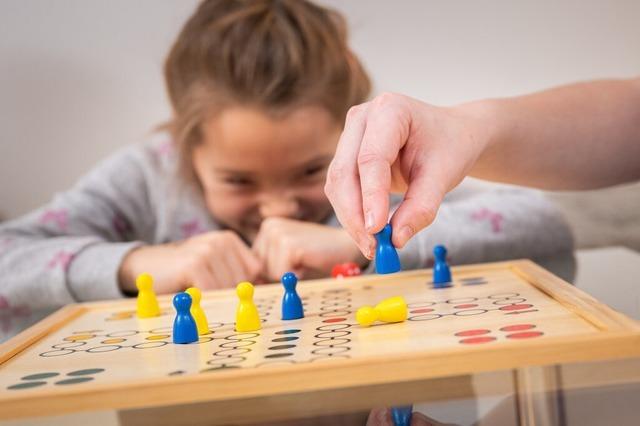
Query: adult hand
x,y
398,144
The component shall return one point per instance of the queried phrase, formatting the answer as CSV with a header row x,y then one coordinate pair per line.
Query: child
x,y
232,188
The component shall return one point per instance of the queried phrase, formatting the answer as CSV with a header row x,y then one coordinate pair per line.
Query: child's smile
x,y
253,166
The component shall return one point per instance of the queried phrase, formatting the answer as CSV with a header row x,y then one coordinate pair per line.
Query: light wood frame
x,y
619,337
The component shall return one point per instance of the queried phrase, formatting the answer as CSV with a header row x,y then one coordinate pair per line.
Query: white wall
x,y
77,80
80,78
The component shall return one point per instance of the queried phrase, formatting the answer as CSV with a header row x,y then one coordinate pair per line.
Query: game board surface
x,y
106,344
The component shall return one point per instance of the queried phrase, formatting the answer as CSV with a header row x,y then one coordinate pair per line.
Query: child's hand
x,y
302,247
217,259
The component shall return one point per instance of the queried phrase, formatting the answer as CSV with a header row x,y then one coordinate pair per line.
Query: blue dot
x,y
26,385
40,376
285,339
74,381
288,331
85,372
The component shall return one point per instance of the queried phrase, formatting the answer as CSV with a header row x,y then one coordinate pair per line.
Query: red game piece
x,y
343,270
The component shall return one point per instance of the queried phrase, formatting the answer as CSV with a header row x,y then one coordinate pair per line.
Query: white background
x,y
80,78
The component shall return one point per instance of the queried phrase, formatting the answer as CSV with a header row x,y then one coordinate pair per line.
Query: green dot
x,y
26,385
85,372
74,381
40,376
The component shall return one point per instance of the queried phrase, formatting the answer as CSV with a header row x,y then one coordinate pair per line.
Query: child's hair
x,y
275,55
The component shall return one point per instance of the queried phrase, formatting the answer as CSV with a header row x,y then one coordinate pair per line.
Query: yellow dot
x,y
120,315
111,341
158,337
79,337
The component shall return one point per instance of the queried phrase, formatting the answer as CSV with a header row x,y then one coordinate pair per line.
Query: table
x,y
575,394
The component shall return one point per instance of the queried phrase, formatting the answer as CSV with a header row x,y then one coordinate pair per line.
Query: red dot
x,y
525,335
422,311
476,332
474,340
466,305
518,327
335,320
516,307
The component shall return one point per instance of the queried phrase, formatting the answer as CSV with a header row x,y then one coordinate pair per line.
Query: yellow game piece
x,y
393,309
147,303
247,318
196,310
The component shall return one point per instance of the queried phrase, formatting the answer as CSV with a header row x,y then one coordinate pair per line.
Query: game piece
x,y
519,309
196,310
291,303
441,271
401,416
344,270
147,305
387,260
393,309
247,318
184,326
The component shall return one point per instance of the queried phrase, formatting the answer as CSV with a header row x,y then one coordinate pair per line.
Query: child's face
x,y
252,166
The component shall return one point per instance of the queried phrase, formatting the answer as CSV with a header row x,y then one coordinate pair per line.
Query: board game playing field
x,y
494,316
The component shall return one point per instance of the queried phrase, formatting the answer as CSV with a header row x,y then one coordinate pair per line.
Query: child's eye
x,y
313,171
237,181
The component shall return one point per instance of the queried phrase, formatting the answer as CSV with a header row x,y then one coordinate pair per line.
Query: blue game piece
x,y
291,303
387,260
441,272
401,416
184,326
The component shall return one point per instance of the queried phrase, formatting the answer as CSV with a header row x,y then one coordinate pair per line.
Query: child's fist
x,y
216,259
302,247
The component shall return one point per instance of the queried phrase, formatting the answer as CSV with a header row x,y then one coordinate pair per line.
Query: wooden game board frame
x,y
619,338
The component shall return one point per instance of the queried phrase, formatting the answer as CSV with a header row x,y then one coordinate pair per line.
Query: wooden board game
x,y
96,356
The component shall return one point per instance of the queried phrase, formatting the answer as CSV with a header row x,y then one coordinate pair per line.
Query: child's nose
x,y
279,207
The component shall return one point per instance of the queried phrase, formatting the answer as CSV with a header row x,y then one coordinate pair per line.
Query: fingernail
x,y
405,233
371,247
368,221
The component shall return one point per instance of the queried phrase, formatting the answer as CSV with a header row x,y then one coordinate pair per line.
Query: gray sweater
x,y
70,249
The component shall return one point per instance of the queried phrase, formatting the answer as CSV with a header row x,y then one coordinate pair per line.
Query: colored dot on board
x,y
422,310
288,331
476,332
516,307
26,385
86,371
466,305
525,335
158,337
74,381
481,339
518,327
40,376
285,339
279,355
112,341
280,347
330,320
79,337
